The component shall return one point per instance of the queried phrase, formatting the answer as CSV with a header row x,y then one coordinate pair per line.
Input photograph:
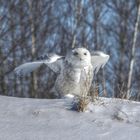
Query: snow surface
x,y
43,119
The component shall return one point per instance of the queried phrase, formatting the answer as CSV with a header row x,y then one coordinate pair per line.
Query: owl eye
x,y
75,53
85,53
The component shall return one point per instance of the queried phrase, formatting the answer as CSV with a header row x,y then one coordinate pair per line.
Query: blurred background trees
x,y
30,28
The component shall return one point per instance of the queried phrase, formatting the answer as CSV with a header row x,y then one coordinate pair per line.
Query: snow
x,y
44,119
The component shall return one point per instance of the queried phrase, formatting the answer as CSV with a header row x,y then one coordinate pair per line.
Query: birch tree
x,y
132,61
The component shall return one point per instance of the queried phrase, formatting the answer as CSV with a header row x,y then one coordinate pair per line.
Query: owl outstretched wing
x,y
98,60
53,61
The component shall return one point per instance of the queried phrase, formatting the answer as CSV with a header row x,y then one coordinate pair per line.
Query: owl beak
x,y
81,59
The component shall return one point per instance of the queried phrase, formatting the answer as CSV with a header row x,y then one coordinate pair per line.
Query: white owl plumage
x,y
75,70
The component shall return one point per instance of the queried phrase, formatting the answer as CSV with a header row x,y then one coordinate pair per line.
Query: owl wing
x,y
98,60
53,62
56,66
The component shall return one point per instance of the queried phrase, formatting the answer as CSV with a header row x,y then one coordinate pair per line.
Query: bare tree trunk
x,y
34,77
33,50
95,41
131,66
12,32
78,8
104,84
73,41
2,78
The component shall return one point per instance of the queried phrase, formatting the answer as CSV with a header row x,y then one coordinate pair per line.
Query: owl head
x,y
79,57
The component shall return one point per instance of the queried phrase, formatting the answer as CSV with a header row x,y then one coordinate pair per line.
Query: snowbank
x,y
43,119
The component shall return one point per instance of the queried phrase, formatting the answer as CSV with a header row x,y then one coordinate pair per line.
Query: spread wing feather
x,y
98,60
27,67
53,63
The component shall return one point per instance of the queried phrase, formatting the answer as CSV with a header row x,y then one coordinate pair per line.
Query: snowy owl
x,y
75,71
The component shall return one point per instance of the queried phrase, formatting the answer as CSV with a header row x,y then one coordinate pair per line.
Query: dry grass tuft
x,y
82,104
